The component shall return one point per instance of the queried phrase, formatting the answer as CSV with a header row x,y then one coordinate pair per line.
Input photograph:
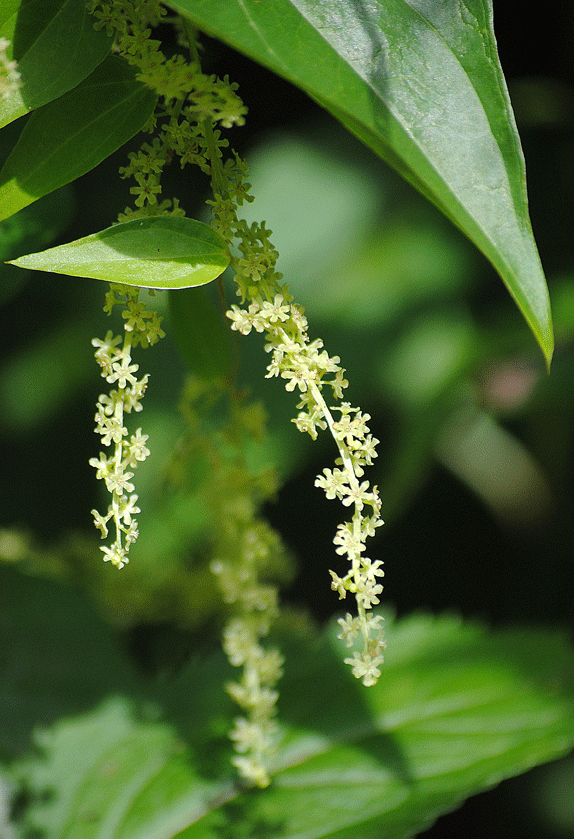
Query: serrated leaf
x,y
66,138
114,776
153,252
419,83
457,710
55,46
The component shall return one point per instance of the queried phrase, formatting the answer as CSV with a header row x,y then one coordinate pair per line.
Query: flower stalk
x,y
114,357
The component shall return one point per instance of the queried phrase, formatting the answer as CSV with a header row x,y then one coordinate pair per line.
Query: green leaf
x,y
56,47
202,334
151,252
457,710
114,775
66,138
419,83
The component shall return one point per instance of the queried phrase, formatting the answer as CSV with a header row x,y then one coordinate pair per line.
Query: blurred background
x,y
476,459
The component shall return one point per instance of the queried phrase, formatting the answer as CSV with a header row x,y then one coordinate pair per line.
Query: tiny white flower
x,y
122,373
137,450
357,495
119,481
101,522
116,554
350,627
365,667
127,508
102,464
276,311
338,584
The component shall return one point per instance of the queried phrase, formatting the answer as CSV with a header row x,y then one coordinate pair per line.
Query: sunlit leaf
x,y
152,252
66,138
457,710
419,83
55,46
118,760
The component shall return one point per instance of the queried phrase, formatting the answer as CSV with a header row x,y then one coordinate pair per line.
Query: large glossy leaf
x,y
56,47
420,83
66,138
457,710
152,252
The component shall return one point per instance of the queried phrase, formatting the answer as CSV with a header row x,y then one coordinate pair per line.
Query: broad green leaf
x,y
56,47
152,252
66,138
420,83
204,338
457,710
125,774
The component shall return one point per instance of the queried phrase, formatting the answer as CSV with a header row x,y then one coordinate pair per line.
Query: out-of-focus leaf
x,y
429,358
457,710
495,465
55,46
58,656
420,83
66,138
37,381
116,775
152,252
203,336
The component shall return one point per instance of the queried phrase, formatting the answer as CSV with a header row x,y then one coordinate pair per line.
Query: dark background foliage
x,y
445,545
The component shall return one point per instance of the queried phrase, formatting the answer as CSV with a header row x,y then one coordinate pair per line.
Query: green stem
x,y
218,181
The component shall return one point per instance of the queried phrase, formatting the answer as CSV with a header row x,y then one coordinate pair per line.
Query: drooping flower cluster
x,y
243,552
192,110
113,354
191,104
307,369
10,80
247,555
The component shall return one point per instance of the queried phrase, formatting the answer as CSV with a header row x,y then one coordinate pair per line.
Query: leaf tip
x,y
545,338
